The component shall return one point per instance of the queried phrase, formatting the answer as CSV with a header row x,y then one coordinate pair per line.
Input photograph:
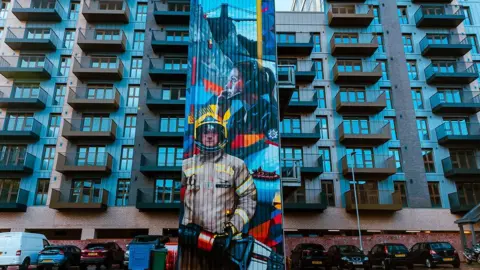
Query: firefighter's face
x,y
235,83
210,138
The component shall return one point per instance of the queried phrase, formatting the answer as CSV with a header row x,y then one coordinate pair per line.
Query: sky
x,y
283,5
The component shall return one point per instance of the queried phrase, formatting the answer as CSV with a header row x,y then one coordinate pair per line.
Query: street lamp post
x,y
356,202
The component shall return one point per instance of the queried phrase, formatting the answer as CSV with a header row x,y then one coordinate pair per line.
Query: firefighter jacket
x,y
218,189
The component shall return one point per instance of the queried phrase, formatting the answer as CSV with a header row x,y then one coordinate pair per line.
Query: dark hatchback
x,y
310,256
100,254
432,254
348,256
390,255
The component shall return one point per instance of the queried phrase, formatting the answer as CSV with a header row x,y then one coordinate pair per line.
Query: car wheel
x,y
65,266
339,266
83,267
456,265
108,265
385,265
410,266
39,267
429,263
98,267
25,264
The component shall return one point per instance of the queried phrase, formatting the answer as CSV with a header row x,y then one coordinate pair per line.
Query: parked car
x,y
348,256
432,254
60,256
306,256
100,254
390,255
20,249
157,239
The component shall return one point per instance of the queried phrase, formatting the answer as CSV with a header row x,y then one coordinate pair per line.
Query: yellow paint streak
x,y
259,32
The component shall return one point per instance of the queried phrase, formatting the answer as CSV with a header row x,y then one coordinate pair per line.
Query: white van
x,y
19,248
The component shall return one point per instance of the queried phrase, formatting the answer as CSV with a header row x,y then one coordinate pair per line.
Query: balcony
x,y
303,101
16,163
311,200
374,200
374,167
150,165
39,11
94,99
346,1
364,133
303,71
109,11
161,43
447,16
28,39
90,130
76,199
458,134
164,16
20,130
352,44
102,40
368,102
308,134
166,100
445,45
154,132
98,68
85,164
356,72
462,167
168,72
28,67
294,170
432,1
451,72
149,199
462,204
19,99
464,102
359,15
13,202
295,48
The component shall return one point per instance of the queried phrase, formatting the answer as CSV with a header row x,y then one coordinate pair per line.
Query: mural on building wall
x,y
231,216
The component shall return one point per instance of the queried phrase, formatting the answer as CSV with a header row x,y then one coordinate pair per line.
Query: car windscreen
x,y
349,249
440,246
52,250
313,247
397,248
96,246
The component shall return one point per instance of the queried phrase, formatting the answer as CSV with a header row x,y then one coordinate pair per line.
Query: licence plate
x,y
92,254
448,259
400,255
357,263
316,262
47,261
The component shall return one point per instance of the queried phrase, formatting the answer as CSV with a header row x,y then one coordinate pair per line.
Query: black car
x,y
100,254
348,256
434,253
390,255
310,256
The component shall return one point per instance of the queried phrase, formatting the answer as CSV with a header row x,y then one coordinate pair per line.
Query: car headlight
x,y
345,259
365,258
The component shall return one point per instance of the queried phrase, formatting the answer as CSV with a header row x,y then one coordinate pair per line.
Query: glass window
x,y
130,126
291,125
290,157
383,65
379,37
322,102
456,126
65,62
26,90
126,160
329,189
395,152
123,191
59,95
138,40
286,37
317,43
9,190
172,124
185,7
422,128
352,95
141,12
96,123
100,91
388,96
323,127
428,160
355,125
69,40
5,6
167,191
468,193
42,191
91,156
393,128
54,125
318,69
176,63
472,39
376,14
136,67
324,152
407,43
174,92
133,96
434,191
412,70
363,157
104,62
19,122
468,16
402,15
401,187
417,99
170,156
74,10
48,157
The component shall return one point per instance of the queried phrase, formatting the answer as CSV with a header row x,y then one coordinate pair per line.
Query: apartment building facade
x,y
93,101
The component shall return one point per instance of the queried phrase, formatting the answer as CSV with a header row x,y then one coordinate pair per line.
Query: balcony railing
x,y
14,162
368,166
357,72
13,202
306,132
156,199
92,164
79,199
295,167
105,98
90,130
162,43
98,68
39,10
26,67
299,47
461,166
168,70
31,39
364,133
154,130
102,40
164,16
153,163
108,11
31,99
451,72
361,102
462,204
306,200
374,200
445,45
359,15
458,133
304,70
303,101
456,102
353,44
439,16
16,130
166,99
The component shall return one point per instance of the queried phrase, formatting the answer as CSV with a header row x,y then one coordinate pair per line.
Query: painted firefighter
x,y
219,197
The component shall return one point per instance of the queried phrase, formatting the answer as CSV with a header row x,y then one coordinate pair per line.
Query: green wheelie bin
x,y
159,259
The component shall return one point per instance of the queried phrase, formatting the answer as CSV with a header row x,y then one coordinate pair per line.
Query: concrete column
x,y
417,186
88,233
463,240
474,238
